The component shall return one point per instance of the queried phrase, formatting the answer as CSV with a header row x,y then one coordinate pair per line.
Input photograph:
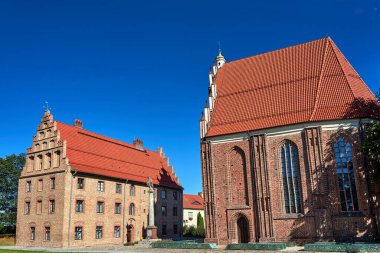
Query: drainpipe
x,y
74,172
125,189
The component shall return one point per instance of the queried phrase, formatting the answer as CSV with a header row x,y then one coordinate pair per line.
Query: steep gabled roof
x,y
192,201
96,154
307,82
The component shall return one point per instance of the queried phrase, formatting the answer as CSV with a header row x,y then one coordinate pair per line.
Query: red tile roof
x,y
306,82
190,201
96,154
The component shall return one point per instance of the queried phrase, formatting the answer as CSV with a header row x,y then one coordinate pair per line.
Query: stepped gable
x,y
96,154
190,201
307,82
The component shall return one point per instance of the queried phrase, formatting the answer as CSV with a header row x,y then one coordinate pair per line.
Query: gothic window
x,y
132,209
290,178
346,177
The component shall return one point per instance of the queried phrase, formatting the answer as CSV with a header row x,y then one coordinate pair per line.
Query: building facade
x,y
192,206
280,141
79,188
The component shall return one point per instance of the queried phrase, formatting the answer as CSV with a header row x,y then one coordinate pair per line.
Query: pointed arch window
x,y
290,178
346,176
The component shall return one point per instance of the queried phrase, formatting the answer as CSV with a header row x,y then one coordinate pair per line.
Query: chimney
x,y
78,123
159,151
138,144
200,194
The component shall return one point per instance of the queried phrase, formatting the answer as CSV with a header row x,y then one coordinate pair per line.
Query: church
x,y
280,139
79,188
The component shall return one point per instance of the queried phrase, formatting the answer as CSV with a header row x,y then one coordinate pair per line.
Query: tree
x,y
371,144
10,168
200,222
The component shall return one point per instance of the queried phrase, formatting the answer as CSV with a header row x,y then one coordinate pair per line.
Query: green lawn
x,y
20,251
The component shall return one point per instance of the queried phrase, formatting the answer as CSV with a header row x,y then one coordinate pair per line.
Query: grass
x,y
7,241
19,251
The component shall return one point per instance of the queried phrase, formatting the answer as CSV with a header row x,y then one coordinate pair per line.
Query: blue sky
x,y
140,68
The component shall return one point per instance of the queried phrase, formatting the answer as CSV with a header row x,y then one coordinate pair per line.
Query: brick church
x,y
280,154
79,188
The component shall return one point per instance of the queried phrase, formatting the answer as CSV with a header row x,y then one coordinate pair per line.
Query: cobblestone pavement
x,y
142,248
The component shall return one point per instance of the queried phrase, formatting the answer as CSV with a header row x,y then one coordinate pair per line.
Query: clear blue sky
x,y
140,69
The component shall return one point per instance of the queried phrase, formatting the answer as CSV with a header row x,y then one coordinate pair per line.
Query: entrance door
x,y
130,232
242,229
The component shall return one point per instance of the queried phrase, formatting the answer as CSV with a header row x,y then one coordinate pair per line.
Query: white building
x,y
192,205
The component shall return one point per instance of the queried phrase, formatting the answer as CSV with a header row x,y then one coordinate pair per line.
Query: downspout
x,y
71,200
125,189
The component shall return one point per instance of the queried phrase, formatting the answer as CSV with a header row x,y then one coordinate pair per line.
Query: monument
x,y
151,229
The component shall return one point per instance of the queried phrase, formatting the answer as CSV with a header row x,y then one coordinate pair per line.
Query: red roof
x,y
306,82
93,153
192,201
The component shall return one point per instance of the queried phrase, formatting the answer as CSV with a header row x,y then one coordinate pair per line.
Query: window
x,y
39,207
47,233
78,235
40,185
48,156
31,162
175,229
100,186
79,206
175,211
132,190
80,183
32,233
116,231
44,145
117,208
28,186
99,232
52,206
100,207
132,209
290,178
27,207
163,229
58,158
163,194
175,195
191,216
52,183
163,211
346,176
40,162
118,188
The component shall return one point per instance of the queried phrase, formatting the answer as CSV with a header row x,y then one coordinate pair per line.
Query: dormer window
x,y
196,203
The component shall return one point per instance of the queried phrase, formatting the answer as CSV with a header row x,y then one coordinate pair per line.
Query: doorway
x,y
242,230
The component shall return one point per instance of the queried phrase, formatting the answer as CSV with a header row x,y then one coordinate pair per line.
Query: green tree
x,y
200,226
10,168
371,144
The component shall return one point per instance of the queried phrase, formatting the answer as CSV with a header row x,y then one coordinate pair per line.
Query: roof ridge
x,y
276,50
320,80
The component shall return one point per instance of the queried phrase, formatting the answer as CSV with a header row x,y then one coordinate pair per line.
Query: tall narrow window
x,y
346,176
52,183
175,211
32,233
175,229
39,207
175,195
47,233
290,178
163,229
117,208
118,188
80,184
132,190
58,158
27,207
48,157
163,211
40,162
117,231
28,186
132,209
40,185
163,194
52,206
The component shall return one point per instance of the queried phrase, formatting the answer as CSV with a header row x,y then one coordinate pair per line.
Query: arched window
x,y
48,156
37,147
132,190
132,209
290,178
51,144
346,177
58,158
44,145
40,162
